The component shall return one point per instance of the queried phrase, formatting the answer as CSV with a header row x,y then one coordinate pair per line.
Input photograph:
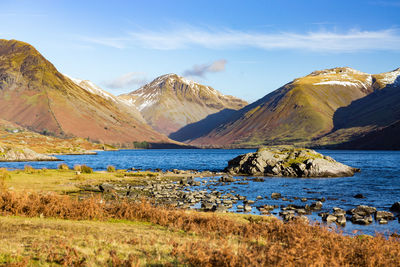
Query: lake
x,y
378,181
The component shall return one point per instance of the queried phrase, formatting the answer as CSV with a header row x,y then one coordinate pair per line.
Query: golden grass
x,y
65,181
186,237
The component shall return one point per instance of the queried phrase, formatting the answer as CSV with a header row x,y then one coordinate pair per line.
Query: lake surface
x,y
378,181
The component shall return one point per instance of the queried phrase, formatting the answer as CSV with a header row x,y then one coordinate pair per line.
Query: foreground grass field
x,y
53,229
42,227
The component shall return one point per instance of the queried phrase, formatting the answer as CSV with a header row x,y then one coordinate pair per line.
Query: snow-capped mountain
x,y
324,107
170,102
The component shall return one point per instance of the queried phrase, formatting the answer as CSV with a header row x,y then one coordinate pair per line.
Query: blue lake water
x,y
378,181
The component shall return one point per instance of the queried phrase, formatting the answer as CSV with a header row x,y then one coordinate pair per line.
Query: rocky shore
x,y
203,191
288,161
11,153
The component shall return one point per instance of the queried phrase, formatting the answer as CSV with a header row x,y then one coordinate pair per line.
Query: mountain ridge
x,y
301,111
170,102
35,95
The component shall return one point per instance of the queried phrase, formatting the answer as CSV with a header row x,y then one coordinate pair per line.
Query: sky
x,y
241,48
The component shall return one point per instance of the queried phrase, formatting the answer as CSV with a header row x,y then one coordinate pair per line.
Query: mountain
x,y
35,95
124,105
370,114
311,108
170,102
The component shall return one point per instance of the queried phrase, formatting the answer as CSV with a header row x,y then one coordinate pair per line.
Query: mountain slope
x,y
386,138
35,95
371,113
299,111
124,105
170,102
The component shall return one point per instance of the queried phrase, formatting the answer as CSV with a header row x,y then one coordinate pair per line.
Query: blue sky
x,y
241,48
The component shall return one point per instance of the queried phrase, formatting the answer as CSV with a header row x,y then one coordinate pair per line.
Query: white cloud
x,y
322,41
201,70
128,80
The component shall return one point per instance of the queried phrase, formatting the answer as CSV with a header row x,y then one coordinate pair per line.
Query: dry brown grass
x,y
225,241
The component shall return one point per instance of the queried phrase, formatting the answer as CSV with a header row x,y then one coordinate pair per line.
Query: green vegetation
x,y
110,168
86,169
63,166
141,145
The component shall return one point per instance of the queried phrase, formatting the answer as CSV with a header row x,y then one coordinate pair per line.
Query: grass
x,y
65,181
121,233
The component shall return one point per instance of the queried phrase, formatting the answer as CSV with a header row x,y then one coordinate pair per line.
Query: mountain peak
x,y
336,70
170,102
388,78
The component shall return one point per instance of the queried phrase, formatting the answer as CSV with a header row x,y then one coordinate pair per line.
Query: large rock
x,y
11,153
288,161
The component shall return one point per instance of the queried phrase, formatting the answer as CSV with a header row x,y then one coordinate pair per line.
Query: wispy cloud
x,y
119,43
322,41
201,70
128,80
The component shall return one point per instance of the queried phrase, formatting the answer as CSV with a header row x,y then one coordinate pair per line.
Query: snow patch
x,y
342,83
391,77
96,90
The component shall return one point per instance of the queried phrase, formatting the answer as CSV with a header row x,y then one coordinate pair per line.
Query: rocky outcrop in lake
x,y
11,153
288,162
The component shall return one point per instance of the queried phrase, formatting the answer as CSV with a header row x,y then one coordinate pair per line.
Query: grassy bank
x,y
70,181
59,229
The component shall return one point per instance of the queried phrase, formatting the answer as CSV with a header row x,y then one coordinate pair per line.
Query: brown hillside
x,y
300,111
35,95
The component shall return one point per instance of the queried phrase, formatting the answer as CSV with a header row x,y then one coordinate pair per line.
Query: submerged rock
x,y
289,162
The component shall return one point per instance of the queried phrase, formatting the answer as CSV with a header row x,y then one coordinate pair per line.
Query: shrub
x,y
4,175
110,168
63,166
29,169
77,168
86,169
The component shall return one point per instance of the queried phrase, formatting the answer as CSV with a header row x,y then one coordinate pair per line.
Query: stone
x,y
341,220
329,219
363,220
276,195
247,208
289,162
304,199
383,221
384,215
227,179
395,207
362,210
316,205
359,196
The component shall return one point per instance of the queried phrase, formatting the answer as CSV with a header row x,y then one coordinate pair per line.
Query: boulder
x,y
395,207
288,162
386,215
